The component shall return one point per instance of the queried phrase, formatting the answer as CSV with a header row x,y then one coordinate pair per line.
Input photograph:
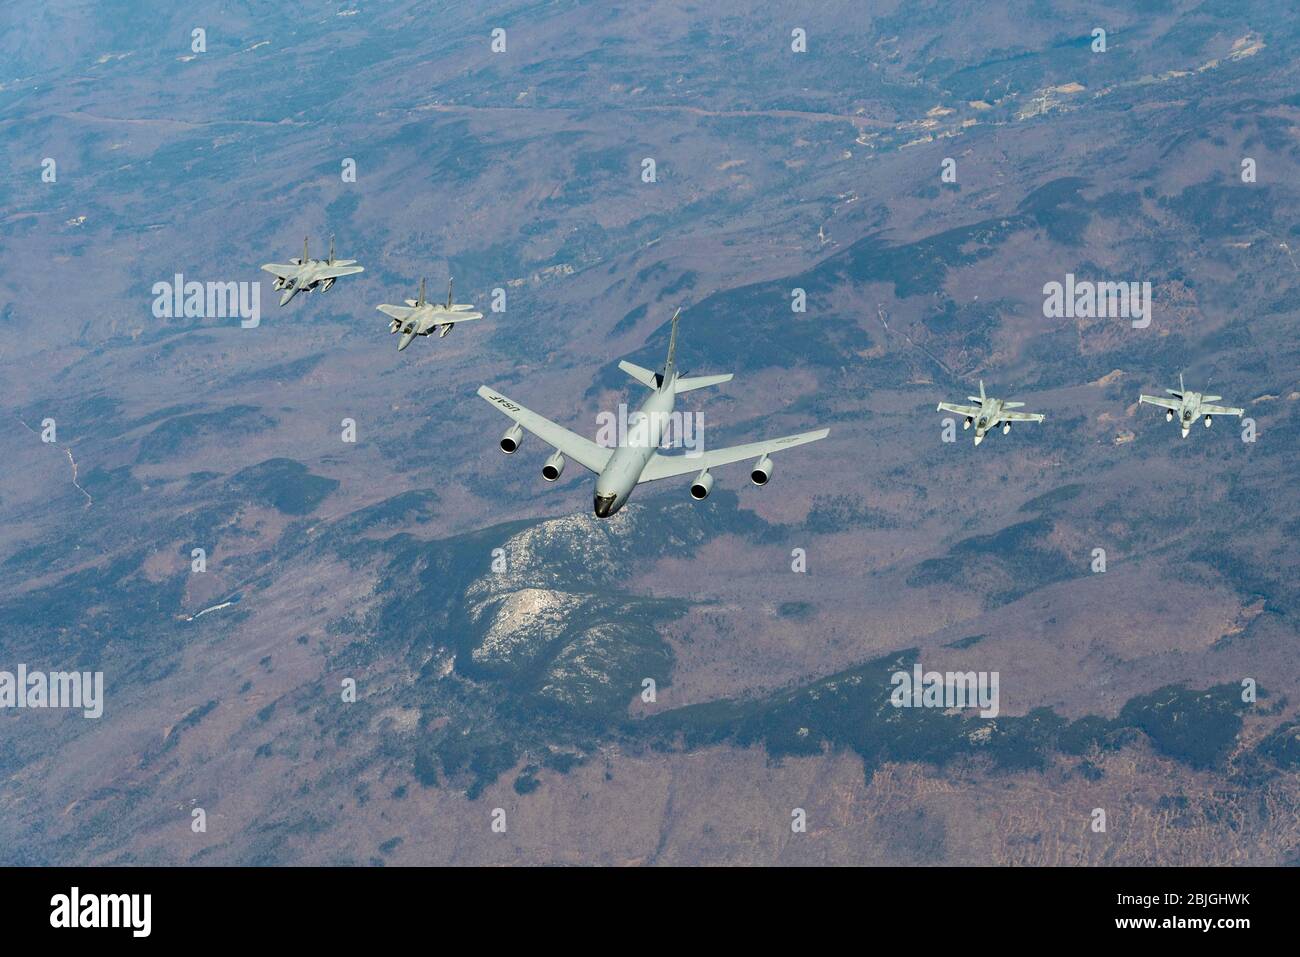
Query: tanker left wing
x,y
668,466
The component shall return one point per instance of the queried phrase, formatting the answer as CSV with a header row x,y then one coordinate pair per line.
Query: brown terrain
x,y
520,690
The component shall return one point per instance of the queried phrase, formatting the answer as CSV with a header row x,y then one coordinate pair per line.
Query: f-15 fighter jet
x,y
306,274
421,318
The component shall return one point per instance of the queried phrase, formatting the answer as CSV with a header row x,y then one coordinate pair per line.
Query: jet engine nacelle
x,y
1208,420
1169,416
761,472
702,485
327,284
1006,428
968,423
511,439
553,468
443,330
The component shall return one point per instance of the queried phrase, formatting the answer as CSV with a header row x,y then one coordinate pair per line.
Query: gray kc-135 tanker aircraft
x,y
989,414
1188,405
421,318
619,470
305,274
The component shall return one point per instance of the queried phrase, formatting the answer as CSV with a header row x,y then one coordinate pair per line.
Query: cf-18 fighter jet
x,y
989,414
1188,405
420,318
637,458
305,274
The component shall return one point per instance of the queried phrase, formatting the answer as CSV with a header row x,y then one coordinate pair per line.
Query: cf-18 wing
x,y
1006,416
666,466
1174,404
583,451
281,271
959,409
1219,410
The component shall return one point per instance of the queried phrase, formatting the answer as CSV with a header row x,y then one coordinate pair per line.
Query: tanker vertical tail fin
x,y
670,364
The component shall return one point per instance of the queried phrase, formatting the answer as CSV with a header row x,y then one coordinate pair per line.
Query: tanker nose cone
x,y
605,505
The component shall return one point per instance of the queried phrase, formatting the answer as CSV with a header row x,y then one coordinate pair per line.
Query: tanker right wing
x,y
583,451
